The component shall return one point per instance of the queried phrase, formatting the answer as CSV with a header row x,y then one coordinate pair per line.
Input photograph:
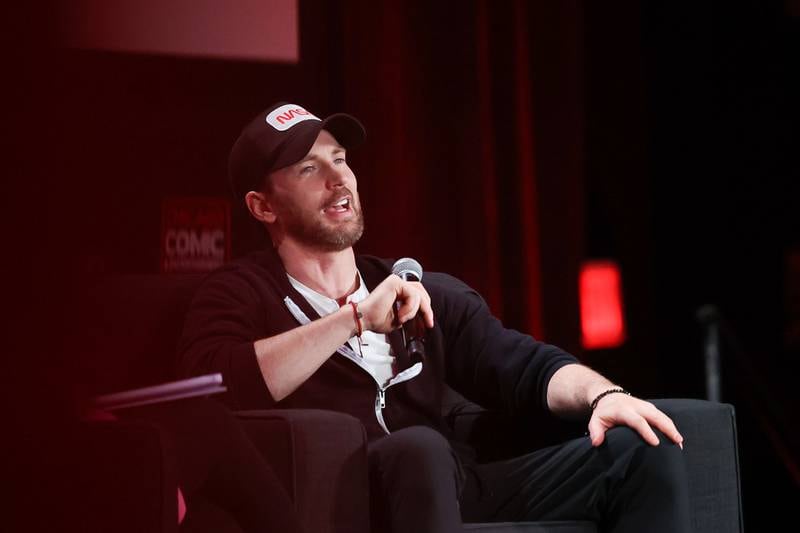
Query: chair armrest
x,y
321,457
712,461
711,450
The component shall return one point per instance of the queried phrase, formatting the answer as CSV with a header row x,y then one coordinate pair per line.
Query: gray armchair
x,y
320,456
710,446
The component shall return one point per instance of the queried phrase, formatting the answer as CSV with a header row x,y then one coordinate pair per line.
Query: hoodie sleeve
x,y
223,321
492,365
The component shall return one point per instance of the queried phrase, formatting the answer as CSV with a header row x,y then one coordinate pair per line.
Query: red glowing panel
x,y
256,30
602,323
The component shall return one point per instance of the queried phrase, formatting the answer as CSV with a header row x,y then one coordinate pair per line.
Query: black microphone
x,y
414,330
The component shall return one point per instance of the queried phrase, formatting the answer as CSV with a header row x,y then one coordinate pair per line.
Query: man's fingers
x,y
425,307
641,426
597,431
666,425
410,306
395,302
641,416
415,299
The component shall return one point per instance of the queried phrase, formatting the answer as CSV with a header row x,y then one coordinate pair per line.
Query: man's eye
x,y
339,160
307,169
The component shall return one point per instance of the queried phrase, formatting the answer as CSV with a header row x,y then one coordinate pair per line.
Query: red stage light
x,y
602,323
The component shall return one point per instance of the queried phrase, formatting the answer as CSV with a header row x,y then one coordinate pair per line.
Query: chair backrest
x,y
130,327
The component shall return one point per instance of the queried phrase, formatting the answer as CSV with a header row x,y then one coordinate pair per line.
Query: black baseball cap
x,y
281,136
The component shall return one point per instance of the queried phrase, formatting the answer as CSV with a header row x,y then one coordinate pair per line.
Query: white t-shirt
x,y
374,348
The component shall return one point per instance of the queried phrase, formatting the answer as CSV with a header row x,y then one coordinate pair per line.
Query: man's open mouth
x,y
340,206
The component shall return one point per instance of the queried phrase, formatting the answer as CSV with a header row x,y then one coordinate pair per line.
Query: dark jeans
x,y
227,485
625,485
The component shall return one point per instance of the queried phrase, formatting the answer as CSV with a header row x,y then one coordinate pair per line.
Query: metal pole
x,y
713,382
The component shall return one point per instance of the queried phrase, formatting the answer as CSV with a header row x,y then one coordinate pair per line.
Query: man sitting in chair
x,y
307,323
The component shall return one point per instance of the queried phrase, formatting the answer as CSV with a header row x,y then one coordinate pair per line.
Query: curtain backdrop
x,y
472,165
448,174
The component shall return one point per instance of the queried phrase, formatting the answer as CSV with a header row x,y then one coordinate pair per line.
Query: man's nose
x,y
336,176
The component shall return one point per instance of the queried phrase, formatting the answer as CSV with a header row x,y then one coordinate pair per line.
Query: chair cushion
x,y
533,527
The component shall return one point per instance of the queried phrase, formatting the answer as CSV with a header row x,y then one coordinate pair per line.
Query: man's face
x,y
316,199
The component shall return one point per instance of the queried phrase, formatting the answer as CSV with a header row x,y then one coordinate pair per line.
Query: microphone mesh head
x,y
407,267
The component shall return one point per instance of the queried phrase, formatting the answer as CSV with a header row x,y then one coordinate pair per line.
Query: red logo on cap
x,y
287,116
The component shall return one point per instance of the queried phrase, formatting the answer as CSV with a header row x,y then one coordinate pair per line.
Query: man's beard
x,y
312,230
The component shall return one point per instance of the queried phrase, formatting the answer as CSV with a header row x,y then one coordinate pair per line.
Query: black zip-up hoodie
x,y
468,349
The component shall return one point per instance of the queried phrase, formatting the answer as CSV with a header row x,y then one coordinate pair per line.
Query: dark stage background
x,y
507,142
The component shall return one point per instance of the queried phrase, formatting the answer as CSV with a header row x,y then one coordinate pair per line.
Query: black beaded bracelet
x,y
606,393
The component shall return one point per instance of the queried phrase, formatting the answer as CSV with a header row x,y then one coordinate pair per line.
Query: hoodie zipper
x,y
382,398
345,350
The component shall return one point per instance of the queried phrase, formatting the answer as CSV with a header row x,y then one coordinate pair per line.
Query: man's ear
x,y
260,207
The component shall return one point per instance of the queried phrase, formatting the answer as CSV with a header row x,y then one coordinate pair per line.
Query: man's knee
x,y
659,466
413,446
416,454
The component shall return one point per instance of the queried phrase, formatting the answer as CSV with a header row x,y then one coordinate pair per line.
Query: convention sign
x,y
195,234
